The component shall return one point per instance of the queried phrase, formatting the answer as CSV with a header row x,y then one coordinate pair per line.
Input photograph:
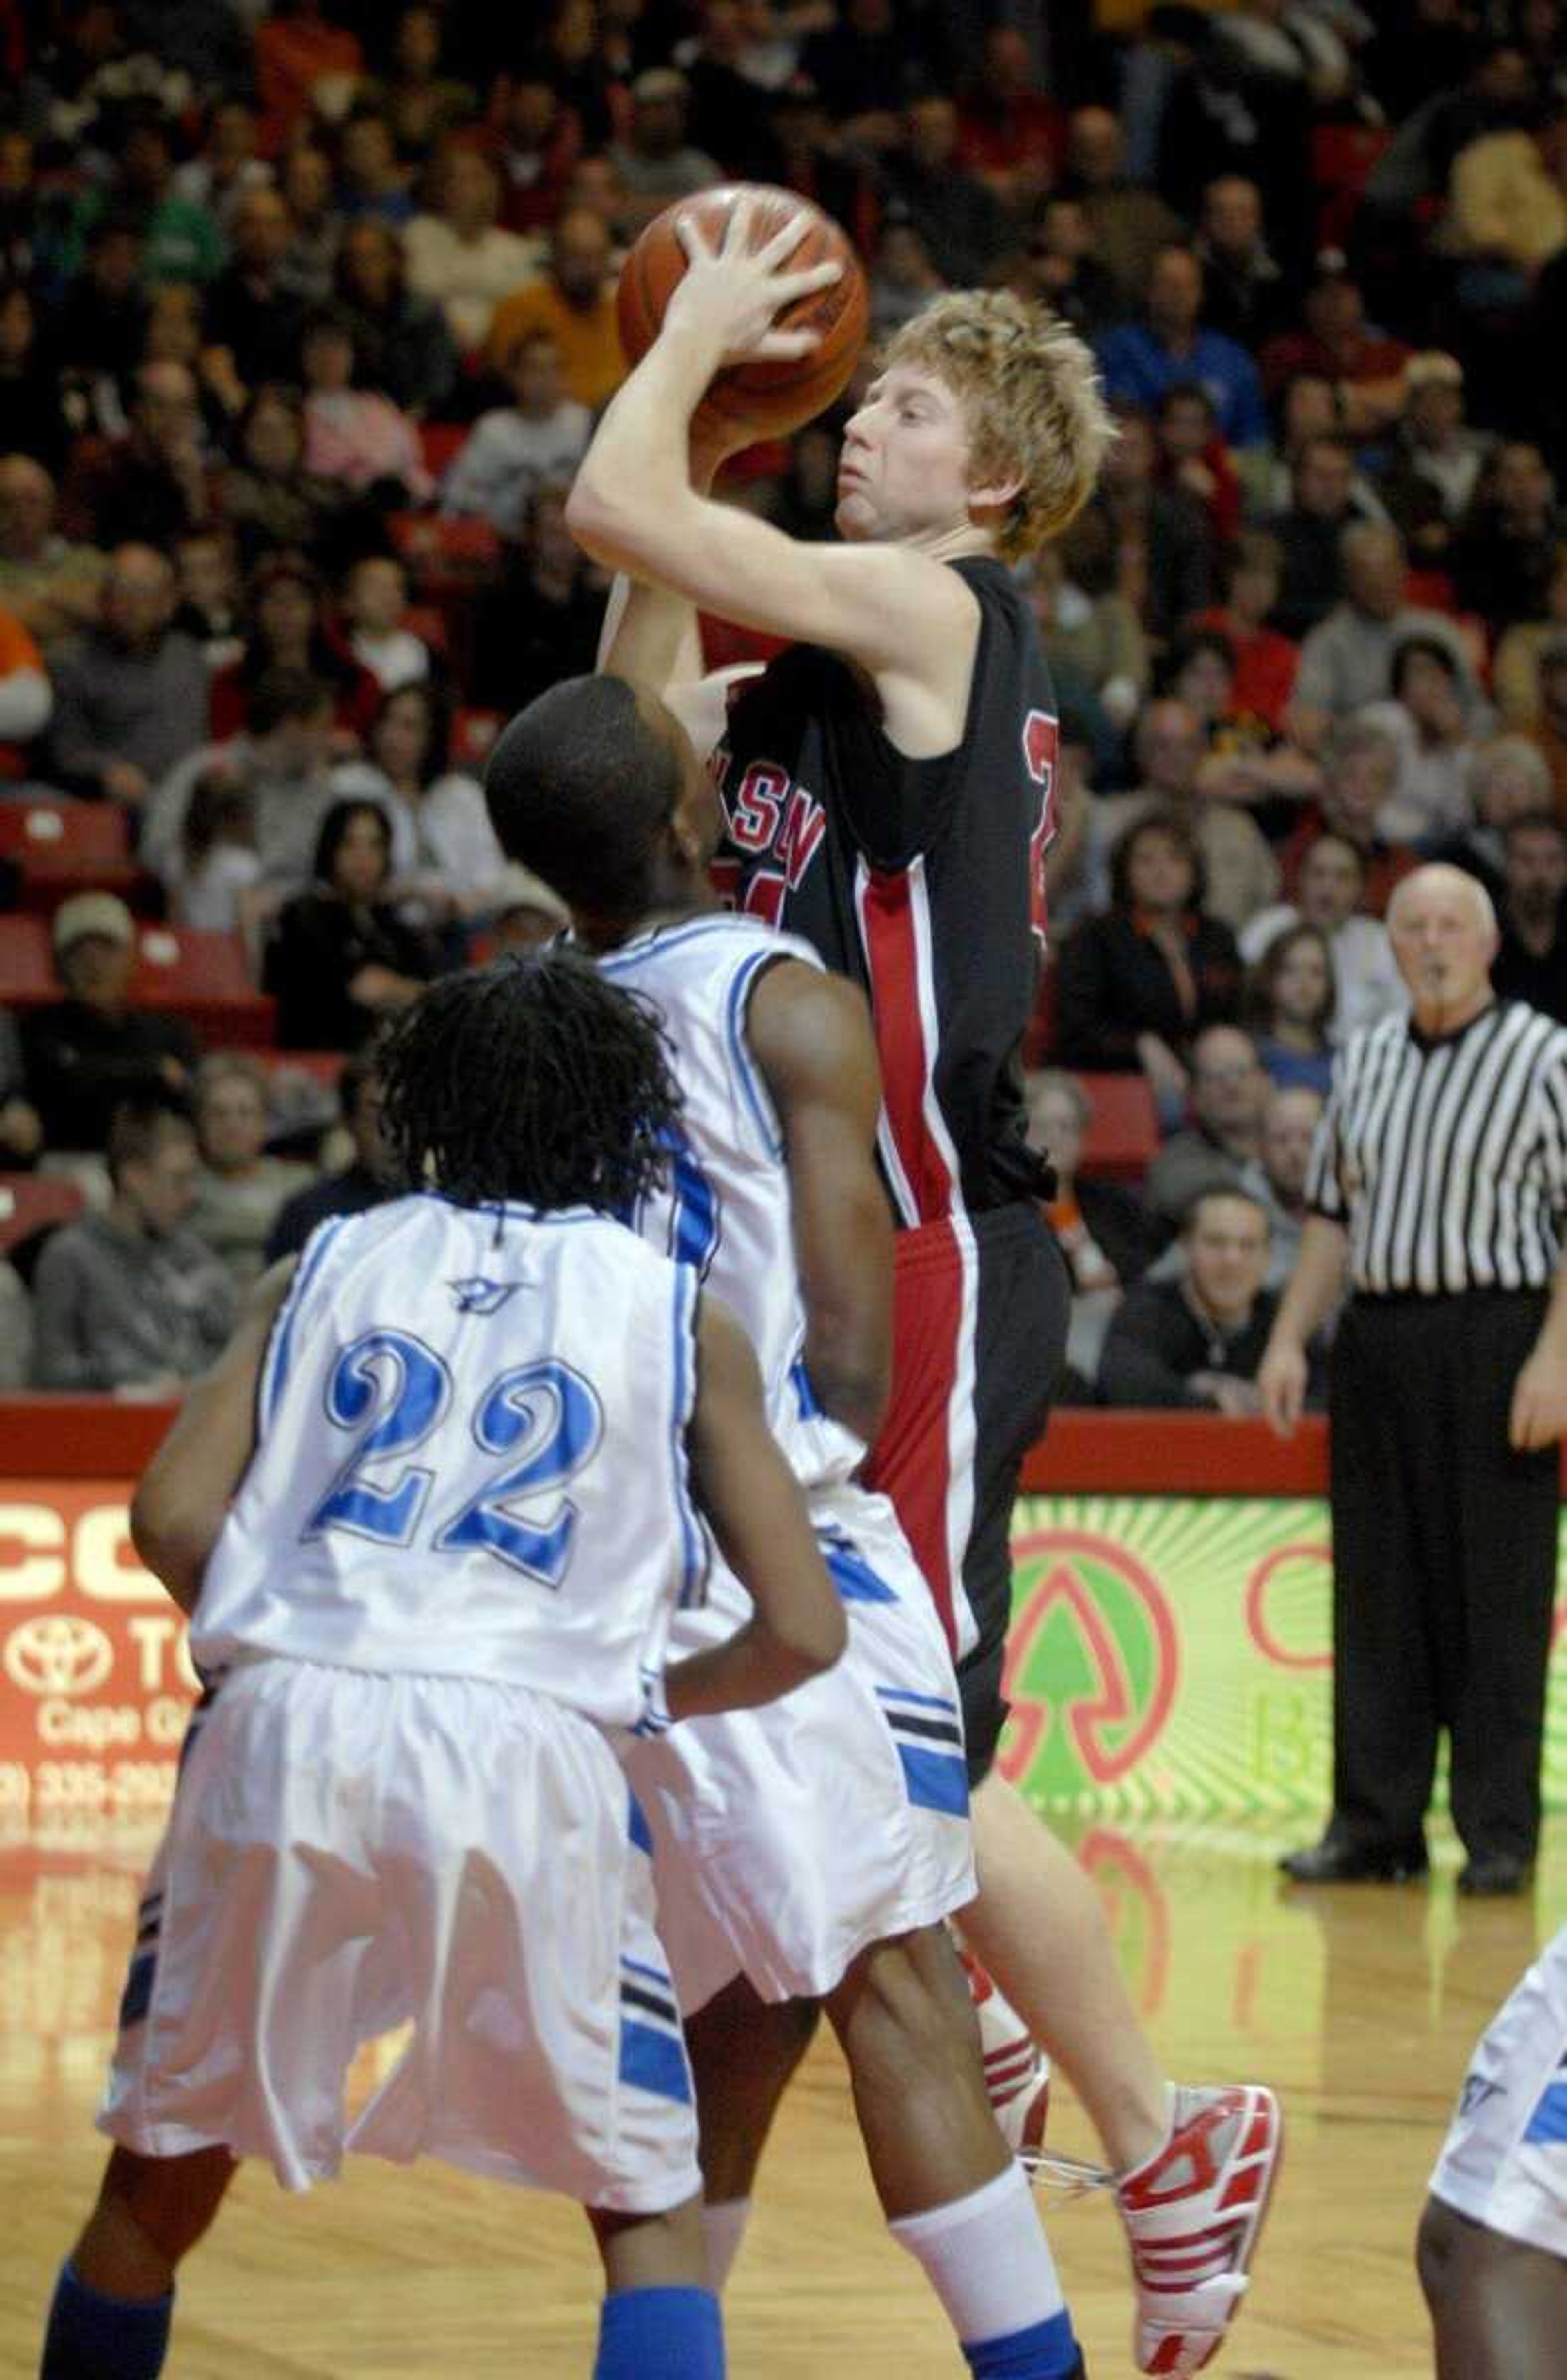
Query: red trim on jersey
x,y
891,951
911,1461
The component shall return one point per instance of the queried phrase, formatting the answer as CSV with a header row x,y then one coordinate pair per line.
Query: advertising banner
x,y
95,1682
1170,1657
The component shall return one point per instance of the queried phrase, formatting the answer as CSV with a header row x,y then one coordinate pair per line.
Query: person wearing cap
x,y
131,1300
87,1052
1433,460
657,162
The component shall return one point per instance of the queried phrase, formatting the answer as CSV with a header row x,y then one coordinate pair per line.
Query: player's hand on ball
x,y
731,294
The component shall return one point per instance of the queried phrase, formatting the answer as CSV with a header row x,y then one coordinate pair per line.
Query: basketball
x,y
765,399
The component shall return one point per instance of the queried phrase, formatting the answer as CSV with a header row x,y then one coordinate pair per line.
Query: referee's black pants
x,y
1444,1572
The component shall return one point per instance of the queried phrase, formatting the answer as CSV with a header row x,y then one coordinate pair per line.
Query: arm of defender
x,y
180,1506
759,1517
810,1035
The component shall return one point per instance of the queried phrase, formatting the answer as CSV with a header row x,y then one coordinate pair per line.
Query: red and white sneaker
x,y
1017,2074
1193,2212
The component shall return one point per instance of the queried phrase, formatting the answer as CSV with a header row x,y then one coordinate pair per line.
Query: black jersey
x,y
922,881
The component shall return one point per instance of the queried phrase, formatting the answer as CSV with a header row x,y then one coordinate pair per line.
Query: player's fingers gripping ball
x,y
782,382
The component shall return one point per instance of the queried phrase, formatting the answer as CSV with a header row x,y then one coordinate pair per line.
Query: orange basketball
x,y
752,401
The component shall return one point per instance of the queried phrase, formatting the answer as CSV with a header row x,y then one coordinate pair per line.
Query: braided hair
x,y
534,1079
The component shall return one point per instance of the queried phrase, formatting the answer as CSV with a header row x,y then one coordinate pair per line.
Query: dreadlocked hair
x,y
532,1079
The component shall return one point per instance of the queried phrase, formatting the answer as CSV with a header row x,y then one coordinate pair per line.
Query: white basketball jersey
x,y
727,1211
471,1458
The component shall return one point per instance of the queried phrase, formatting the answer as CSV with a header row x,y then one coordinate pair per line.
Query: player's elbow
x,y
598,518
172,1537
811,1642
854,1392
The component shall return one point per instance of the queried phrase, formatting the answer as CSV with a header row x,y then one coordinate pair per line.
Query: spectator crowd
x,y
306,315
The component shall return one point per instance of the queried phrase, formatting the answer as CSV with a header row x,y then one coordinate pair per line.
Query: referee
x,y
1440,1177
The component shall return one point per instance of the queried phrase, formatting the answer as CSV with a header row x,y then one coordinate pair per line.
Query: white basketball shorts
x,y
1504,2161
347,1853
790,1839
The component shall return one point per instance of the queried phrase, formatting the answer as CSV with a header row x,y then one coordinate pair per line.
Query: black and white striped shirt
x,y
1446,1160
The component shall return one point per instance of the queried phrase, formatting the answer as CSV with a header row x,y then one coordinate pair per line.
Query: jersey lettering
x,y
1041,736
553,1414
401,1389
758,805
804,823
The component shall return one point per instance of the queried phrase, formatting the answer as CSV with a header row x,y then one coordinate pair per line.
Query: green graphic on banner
x,y
1172,1657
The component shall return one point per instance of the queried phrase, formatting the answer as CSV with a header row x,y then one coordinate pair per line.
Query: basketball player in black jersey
x,y
888,783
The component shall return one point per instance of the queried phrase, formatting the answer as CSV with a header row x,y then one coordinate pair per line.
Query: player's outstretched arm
x,y
810,1035
183,1499
758,1518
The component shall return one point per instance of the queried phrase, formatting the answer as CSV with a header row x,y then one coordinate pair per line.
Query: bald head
x,y
1443,931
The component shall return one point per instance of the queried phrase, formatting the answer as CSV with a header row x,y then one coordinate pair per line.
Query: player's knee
x,y
168,2201
1447,2248
903,2011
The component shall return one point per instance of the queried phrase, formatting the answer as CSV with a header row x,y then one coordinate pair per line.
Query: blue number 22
x,y
403,1389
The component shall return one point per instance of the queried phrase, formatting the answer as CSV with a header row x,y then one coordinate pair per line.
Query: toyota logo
x,y
55,1653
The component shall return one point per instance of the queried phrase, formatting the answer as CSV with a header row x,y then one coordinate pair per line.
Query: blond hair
x,y
1031,399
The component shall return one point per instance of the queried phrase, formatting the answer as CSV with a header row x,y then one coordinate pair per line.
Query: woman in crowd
x,y
1136,983
1289,1007
241,1187
402,345
290,629
270,497
340,957
446,864
216,861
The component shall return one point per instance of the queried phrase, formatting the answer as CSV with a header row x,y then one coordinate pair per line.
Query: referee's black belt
x,y
1382,1301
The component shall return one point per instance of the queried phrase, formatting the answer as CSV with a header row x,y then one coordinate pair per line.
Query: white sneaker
x,y
1193,2212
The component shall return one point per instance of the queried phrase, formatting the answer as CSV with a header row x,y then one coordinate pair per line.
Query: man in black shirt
x,y
1531,960
86,1054
1196,1342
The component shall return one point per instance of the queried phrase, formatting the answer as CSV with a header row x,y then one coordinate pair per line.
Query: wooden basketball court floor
x,y
1358,2004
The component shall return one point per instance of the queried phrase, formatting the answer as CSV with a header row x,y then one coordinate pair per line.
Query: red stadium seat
x,y
45,886
26,975
204,979
65,833
1123,1134
32,1202
441,554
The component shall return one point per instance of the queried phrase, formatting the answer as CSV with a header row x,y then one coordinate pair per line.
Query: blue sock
x,y
91,2336
660,2334
1046,2351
